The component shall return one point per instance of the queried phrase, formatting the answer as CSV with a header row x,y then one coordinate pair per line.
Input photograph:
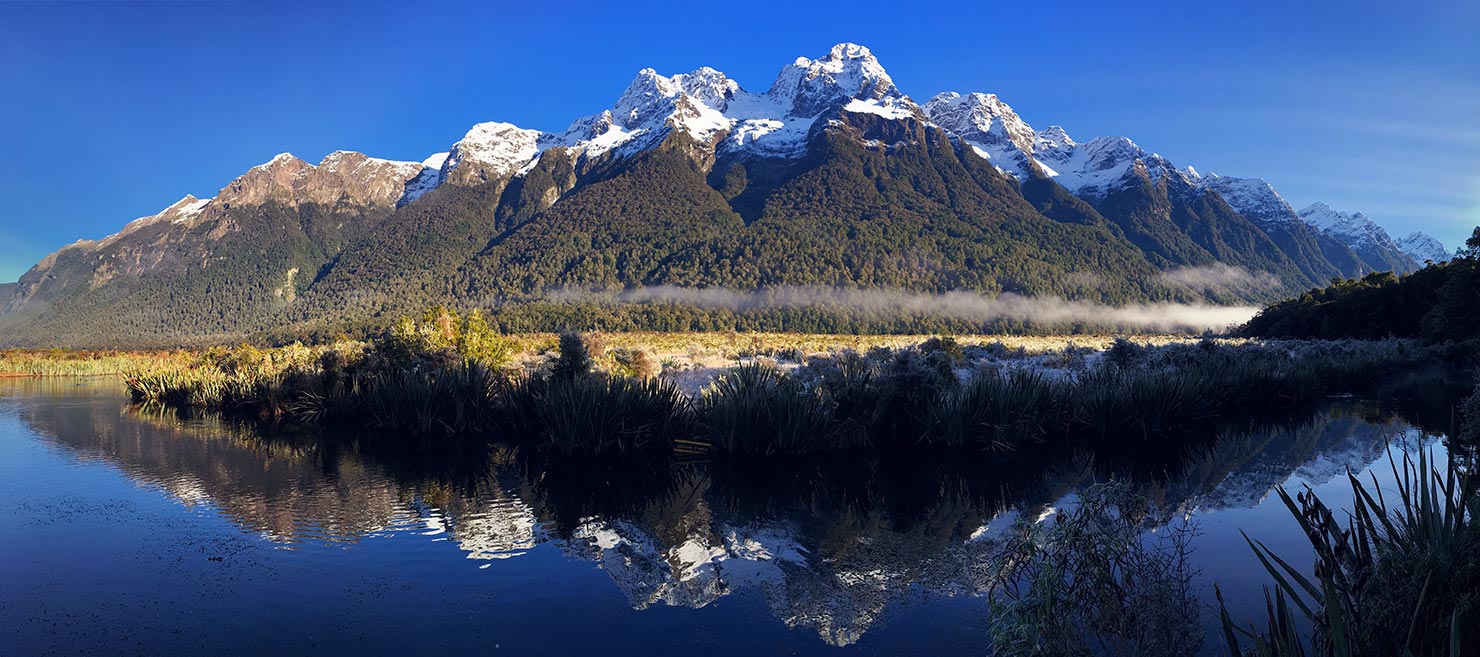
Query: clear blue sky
x,y
113,110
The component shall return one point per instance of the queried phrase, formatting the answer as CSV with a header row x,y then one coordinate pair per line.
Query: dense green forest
x,y
1437,303
893,206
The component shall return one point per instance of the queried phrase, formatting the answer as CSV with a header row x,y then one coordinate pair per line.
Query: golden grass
x,y
687,347
62,362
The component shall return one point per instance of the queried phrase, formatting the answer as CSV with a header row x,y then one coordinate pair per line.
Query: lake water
x,y
130,532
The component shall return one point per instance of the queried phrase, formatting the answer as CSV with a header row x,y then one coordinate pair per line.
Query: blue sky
x,y
110,111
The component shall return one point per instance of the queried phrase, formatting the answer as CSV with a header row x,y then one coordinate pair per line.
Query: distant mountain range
x,y
830,178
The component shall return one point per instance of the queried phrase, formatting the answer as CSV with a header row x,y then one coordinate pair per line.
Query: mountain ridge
x,y
692,180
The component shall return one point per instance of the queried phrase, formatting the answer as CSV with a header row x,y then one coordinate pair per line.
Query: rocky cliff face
x,y
341,177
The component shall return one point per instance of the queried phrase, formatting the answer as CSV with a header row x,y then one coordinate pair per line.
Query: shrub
x,y
635,363
906,390
574,360
944,345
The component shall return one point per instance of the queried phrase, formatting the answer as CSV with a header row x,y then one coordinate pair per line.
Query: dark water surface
x,y
129,532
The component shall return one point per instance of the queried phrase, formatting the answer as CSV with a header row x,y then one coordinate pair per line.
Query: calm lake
x,y
133,532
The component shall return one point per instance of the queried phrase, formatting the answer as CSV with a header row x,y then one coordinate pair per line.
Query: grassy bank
x,y
58,362
449,375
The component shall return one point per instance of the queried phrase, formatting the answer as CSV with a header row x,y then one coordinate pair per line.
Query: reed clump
x,y
435,374
1399,575
442,375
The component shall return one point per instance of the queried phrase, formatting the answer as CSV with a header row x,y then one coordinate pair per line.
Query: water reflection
x,y
830,544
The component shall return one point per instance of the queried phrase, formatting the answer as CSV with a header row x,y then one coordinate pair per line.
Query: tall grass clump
x,y
757,410
601,415
569,408
1113,403
1399,575
998,413
435,374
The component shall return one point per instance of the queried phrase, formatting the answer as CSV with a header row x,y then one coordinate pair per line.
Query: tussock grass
x,y
998,413
599,415
1135,394
758,410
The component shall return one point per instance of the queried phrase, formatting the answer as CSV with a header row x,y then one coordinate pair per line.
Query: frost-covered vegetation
x,y
447,374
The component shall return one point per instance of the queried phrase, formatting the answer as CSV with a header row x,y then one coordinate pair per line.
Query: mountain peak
x,y
1361,235
280,160
849,72
649,95
1051,138
491,150
708,86
1424,248
847,50
1252,197
982,119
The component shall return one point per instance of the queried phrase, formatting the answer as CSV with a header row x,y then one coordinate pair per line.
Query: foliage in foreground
x,y
1400,575
1089,582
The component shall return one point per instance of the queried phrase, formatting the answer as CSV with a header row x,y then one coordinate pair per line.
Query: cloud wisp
x,y
1220,279
967,306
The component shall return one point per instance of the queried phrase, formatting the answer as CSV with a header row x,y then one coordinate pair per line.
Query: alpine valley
x,y
830,179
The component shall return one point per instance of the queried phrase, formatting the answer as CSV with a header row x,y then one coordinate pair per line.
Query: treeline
x,y
1438,303
666,316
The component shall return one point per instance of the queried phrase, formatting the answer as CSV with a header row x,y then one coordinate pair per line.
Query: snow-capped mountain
x,y
717,113
1424,248
1252,197
341,175
697,160
993,130
1095,168
1362,235
1091,169
706,106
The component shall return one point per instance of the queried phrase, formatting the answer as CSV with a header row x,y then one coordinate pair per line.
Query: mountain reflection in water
x,y
830,544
